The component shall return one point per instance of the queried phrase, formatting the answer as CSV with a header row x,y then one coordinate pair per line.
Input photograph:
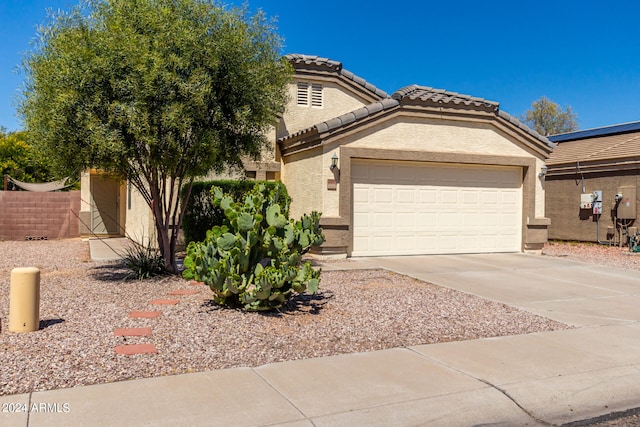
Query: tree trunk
x,y
166,244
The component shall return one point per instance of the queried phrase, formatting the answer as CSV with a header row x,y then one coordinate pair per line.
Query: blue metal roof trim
x,y
595,132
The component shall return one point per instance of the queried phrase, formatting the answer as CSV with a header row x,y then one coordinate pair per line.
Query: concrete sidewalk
x,y
546,378
108,249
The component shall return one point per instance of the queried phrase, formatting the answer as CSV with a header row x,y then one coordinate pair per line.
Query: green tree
x,y
20,160
548,118
156,91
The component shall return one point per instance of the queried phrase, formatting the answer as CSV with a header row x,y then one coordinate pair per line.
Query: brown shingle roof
x,y
597,149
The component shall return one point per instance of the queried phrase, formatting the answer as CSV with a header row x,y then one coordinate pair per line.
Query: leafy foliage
x,y
20,159
157,92
253,259
143,261
202,215
548,118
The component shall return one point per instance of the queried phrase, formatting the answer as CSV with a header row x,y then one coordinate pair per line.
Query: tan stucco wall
x,y
336,101
139,220
302,174
439,136
85,191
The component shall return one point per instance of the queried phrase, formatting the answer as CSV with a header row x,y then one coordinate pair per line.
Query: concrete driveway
x,y
571,292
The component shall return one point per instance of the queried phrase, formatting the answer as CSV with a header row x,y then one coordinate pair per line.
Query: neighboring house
x,y
424,171
603,160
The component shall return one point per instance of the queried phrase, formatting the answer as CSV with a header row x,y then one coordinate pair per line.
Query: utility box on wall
x,y
627,205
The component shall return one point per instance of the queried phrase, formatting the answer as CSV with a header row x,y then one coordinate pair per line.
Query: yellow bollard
x,y
24,300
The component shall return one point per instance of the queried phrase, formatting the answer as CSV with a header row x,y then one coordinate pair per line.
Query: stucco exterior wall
x,y
303,176
335,103
438,136
139,223
85,206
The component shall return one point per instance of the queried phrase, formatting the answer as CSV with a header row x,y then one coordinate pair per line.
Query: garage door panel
x,y
427,244
416,208
509,198
470,198
360,197
469,219
406,243
383,219
406,196
448,242
382,196
449,197
428,196
406,220
382,243
507,220
447,219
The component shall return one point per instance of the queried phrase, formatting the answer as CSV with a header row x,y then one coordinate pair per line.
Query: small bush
x,y
253,259
143,261
202,215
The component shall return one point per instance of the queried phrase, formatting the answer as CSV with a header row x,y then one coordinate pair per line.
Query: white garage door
x,y
412,208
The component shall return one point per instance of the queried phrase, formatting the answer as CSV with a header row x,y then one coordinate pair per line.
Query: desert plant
x,y
201,215
254,260
143,261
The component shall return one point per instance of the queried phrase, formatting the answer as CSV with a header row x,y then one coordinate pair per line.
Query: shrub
x,y
143,261
253,259
202,215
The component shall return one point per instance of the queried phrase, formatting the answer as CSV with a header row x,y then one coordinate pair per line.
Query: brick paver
x,y
131,349
144,314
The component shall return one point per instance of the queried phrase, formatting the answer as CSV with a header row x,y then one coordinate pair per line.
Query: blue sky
x,y
579,53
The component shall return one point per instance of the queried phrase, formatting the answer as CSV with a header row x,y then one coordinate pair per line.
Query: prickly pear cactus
x,y
253,260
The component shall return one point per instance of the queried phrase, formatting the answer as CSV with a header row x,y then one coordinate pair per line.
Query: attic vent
x,y
316,95
303,94
309,94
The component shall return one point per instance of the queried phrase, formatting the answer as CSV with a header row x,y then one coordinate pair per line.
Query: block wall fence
x,y
27,215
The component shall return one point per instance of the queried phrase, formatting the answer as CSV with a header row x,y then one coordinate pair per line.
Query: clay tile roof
x,y
314,62
299,59
440,96
348,118
526,128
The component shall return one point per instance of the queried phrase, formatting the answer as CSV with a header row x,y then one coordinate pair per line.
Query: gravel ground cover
x,y
612,256
82,302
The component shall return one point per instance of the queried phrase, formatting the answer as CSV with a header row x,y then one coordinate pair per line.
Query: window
x,y
309,94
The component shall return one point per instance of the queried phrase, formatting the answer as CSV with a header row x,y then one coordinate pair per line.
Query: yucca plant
x,y
143,261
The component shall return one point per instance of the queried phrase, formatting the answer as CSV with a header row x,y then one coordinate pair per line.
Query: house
x,y
423,171
592,184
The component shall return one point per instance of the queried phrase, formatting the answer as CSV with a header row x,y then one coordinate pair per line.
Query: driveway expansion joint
x,y
511,398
